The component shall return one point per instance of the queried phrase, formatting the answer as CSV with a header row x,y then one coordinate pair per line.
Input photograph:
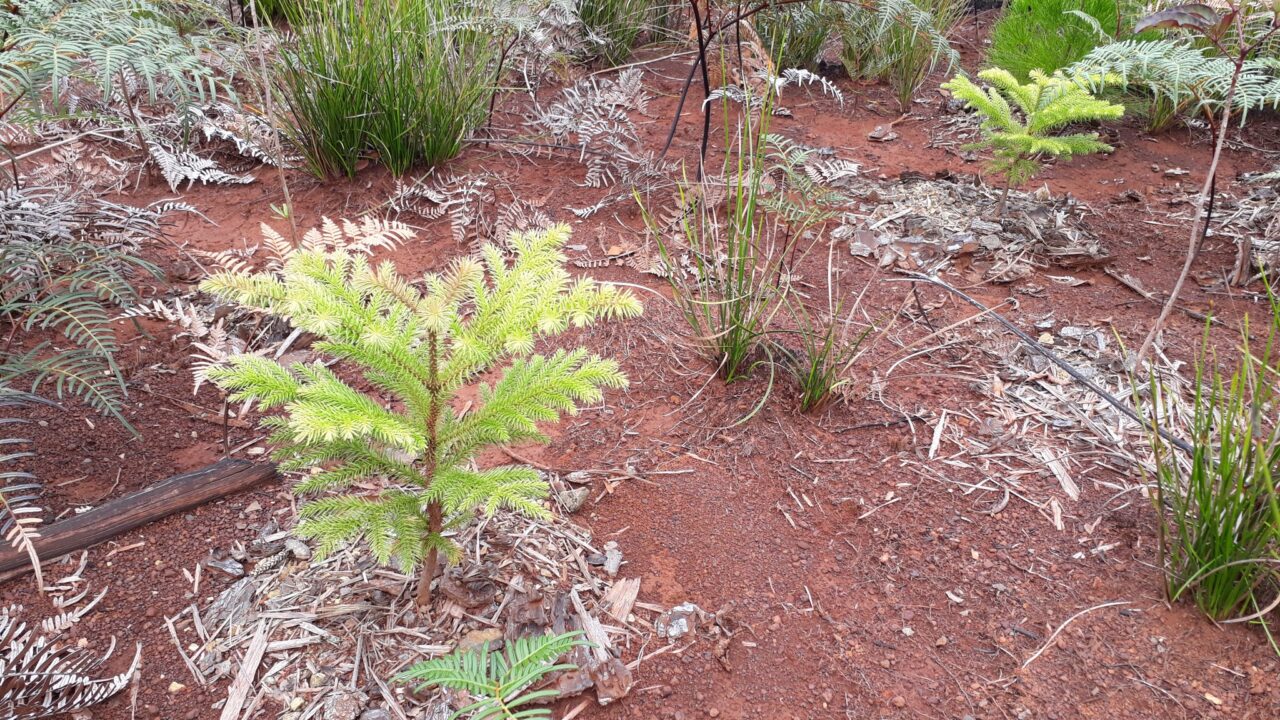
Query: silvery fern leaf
x,y
19,516
40,678
180,165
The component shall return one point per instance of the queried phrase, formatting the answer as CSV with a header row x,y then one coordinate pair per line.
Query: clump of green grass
x,y
900,42
407,80
794,34
729,288
610,27
1218,510
831,342
1048,35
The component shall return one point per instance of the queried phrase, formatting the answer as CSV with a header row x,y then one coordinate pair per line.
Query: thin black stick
x,y
706,81
1049,355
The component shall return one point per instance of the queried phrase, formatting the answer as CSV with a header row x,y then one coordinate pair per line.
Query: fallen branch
x,y
176,494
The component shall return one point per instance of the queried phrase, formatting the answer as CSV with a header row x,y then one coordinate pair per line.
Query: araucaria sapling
x,y
1020,141
417,346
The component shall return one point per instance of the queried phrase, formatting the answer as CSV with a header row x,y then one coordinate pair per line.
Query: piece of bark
x,y
176,494
243,683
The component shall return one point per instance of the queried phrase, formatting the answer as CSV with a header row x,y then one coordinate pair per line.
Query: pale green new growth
x,y
1048,103
418,349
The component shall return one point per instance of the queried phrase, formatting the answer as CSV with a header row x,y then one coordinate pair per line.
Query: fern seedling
x,y
419,349
1021,140
496,680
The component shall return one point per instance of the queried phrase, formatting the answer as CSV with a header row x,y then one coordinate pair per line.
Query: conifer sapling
x,y
1046,104
417,349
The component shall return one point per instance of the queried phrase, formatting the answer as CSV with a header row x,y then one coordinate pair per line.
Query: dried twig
x,y
1065,623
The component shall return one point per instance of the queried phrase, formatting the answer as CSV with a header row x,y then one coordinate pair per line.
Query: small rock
x,y
899,701
713,712
678,621
375,714
317,679
297,548
227,565
941,641
254,507
344,703
612,558
476,639
882,134
573,500
176,687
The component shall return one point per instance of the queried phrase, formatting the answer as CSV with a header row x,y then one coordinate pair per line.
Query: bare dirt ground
x,y
848,603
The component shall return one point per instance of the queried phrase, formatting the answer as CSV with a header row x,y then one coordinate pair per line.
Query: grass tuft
x,y
1218,510
407,80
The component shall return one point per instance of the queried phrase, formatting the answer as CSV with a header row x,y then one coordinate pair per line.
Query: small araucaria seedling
x,y
417,350
1046,104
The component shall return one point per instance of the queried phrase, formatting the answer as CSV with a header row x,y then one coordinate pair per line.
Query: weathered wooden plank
x,y
178,493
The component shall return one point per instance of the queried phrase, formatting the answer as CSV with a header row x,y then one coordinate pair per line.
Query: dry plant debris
x,y
1042,438
322,639
924,225
1255,218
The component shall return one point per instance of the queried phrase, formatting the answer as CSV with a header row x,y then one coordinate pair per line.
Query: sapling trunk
x,y
435,523
435,513
1004,199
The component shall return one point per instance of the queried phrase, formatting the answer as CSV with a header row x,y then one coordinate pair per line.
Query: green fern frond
x,y
81,317
82,374
1176,72
498,680
53,47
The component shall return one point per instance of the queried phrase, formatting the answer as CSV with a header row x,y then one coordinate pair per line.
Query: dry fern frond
x,y
181,165
433,197
18,489
40,679
251,136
